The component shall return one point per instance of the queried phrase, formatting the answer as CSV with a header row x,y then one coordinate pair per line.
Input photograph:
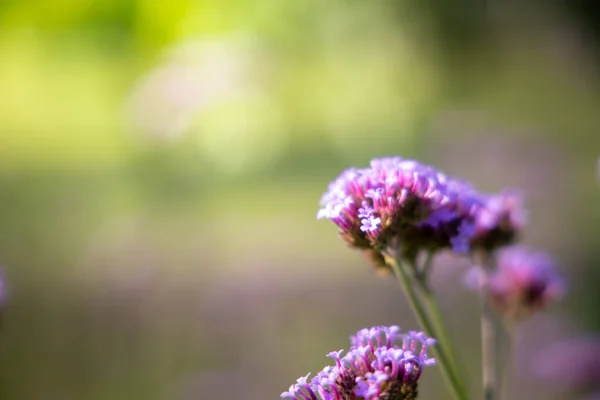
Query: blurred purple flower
x,y
424,208
525,281
497,219
572,364
374,368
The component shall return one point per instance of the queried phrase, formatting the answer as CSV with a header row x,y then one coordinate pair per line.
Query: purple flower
x,y
497,219
382,364
572,364
394,197
419,207
525,281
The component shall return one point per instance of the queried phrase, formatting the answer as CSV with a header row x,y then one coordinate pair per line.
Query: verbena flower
x,y
496,220
524,281
572,364
381,364
418,206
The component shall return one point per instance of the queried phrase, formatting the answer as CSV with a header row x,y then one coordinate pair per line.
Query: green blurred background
x,y
161,165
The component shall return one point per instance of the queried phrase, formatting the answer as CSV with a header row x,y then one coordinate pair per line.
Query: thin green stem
x,y
488,351
488,334
424,271
505,378
452,380
432,305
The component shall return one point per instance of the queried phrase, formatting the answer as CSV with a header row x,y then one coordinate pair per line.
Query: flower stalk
x,y
431,304
488,331
488,351
504,380
441,351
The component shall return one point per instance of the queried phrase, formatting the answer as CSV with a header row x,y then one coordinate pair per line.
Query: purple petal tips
x,y
381,363
421,206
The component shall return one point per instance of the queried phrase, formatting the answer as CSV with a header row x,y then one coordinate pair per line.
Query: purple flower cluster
x,y
571,365
420,207
375,368
524,281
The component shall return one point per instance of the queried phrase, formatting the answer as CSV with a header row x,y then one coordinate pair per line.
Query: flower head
x,y
421,208
524,281
497,219
393,197
381,364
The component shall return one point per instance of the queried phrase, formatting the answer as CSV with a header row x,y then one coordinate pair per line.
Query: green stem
x,y
424,271
437,320
488,333
439,325
488,351
504,379
452,380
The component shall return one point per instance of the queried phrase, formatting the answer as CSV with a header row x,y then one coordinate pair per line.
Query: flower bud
x,y
525,281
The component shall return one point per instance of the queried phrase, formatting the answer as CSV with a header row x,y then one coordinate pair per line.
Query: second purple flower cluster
x,y
382,363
